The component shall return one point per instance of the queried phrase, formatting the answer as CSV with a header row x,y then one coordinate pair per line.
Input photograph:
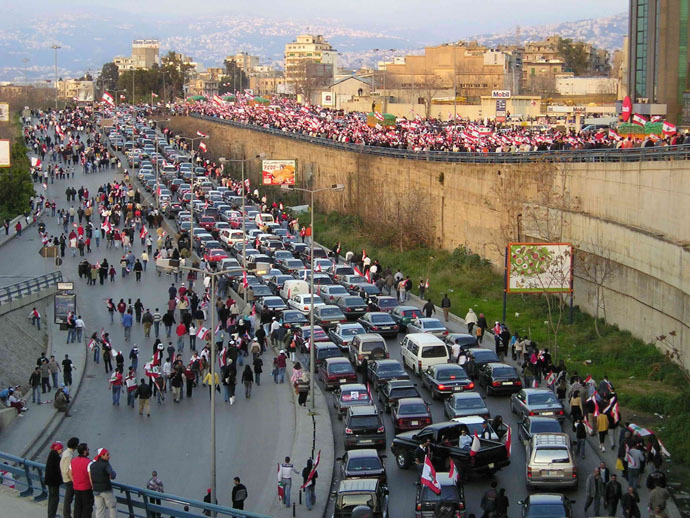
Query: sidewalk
x,y
13,505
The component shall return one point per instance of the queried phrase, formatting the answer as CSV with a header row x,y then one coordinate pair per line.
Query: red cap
x,y
100,453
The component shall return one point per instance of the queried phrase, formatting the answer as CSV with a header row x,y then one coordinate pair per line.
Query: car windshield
x,y
340,368
546,426
387,303
412,408
355,499
294,263
432,325
364,464
435,351
293,317
274,302
474,428
364,421
450,374
505,372
355,395
370,346
307,300
552,455
474,402
404,392
448,493
330,312
353,301
543,398
391,368
546,511
381,319
329,352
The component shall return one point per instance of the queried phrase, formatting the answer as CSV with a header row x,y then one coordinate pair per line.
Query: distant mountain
x,y
604,33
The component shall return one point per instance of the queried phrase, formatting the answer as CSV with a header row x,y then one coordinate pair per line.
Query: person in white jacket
x,y
470,320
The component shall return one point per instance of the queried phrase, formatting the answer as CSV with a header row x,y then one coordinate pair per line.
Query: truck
x,y
492,455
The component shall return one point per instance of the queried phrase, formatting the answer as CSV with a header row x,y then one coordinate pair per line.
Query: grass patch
x,y
645,379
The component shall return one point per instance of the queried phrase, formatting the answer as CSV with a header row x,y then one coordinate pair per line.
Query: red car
x,y
336,371
207,223
215,254
410,413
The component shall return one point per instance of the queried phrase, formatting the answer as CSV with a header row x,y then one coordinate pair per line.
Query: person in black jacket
x,y
101,474
53,477
144,392
581,436
239,494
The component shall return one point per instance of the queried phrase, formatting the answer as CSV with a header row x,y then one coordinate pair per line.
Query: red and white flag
x,y
245,284
202,333
108,99
535,383
217,100
426,284
509,442
428,477
367,276
588,427
310,478
593,399
476,445
550,379
281,489
668,128
143,232
123,97
453,472
35,162
154,95
199,134
357,271
614,135
202,147
151,370
640,120
587,379
656,118
379,116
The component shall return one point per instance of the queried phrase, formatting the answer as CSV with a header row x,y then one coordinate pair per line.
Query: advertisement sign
x,y
326,99
5,153
540,267
64,303
4,112
278,172
501,110
626,110
500,94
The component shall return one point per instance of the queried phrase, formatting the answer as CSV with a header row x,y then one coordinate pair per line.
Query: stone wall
x,y
635,213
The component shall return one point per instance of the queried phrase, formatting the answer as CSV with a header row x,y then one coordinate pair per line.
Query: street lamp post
x,y
338,187
191,201
157,164
55,49
242,161
385,73
455,83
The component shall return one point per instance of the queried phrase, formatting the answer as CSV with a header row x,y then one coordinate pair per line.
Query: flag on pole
x,y
154,95
656,118
281,489
428,477
426,284
640,120
509,442
367,276
217,100
668,128
590,430
35,162
202,147
453,472
199,134
143,232
550,379
108,99
379,116
593,399
202,333
310,477
123,97
535,383
476,445
357,271
587,379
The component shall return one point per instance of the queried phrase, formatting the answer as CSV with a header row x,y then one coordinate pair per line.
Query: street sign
x,y
5,155
500,94
501,110
4,112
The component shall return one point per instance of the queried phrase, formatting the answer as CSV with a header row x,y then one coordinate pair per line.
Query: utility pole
x,y
55,48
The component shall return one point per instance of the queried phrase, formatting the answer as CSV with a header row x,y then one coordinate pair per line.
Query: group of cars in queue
x,y
352,321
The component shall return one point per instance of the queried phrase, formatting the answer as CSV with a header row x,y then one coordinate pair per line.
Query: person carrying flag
x,y
309,476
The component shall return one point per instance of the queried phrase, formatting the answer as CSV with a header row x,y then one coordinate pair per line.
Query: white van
x,y
294,287
422,350
230,237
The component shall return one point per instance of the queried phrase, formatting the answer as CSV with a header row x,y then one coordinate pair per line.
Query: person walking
x,y
83,490
45,376
155,484
428,309
35,382
285,472
156,319
629,503
147,321
470,320
131,386
127,321
581,438
102,473
115,383
258,369
54,370
53,477
445,306
482,326
248,380
594,489
502,504
35,317
612,495
239,494
602,429
66,472
309,476
143,392
635,458
657,499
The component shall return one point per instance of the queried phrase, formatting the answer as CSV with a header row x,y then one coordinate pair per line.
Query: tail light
x,y
560,412
495,384
445,333
427,420
387,355
529,472
399,422
419,507
574,472
348,309
381,429
419,365
471,385
532,413
348,431
375,328
442,387
518,383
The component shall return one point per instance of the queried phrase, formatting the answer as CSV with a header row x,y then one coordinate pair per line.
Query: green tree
x,y
233,80
109,76
16,186
574,53
176,72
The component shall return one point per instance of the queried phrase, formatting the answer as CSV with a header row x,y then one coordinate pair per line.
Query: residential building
x,y
347,90
244,61
144,56
310,57
659,36
541,63
73,89
569,85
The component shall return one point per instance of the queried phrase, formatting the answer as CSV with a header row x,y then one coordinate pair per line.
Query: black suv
x,y
364,428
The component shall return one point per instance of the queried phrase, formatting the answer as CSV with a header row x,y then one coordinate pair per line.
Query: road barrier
x,y
29,286
27,477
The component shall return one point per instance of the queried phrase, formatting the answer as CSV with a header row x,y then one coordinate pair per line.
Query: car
x,y
483,427
172,209
319,253
402,315
365,463
364,428
476,357
352,306
537,402
342,334
422,350
268,304
275,283
499,378
427,325
350,282
328,316
303,302
338,271
382,303
333,372
451,497
442,380
531,425
257,291
293,318
382,371
211,255
366,291
331,292
464,340
379,322
394,390
326,350
543,505
410,413
354,493
550,461
463,404
207,223
371,346
350,394
290,266
319,336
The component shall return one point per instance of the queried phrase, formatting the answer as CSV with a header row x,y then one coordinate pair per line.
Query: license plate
x,y
507,383
457,389
553,473
366,441
385,327
342,380
414,423
547,413
491,466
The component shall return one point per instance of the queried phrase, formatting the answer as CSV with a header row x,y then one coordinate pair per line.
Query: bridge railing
x,y
29,286
681,152
135,502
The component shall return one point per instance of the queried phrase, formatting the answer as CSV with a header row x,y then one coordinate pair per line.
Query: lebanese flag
x,y
143,232
35,162
590,430
453,472
593,399
379,116
310,481
476,445
656,118
587,379
428,477
669,128
426,284
217,100
367,276
281,489
108,99
154,95
106,225
202,333
535,383
550,379
613,410
245,284
123,97
92,344
199,134
640,120
202,147
151,370
614,135
317,268
509,442
246,183
356,270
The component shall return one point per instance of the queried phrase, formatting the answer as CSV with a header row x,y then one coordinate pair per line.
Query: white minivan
x,y
293,287
230,236
422,350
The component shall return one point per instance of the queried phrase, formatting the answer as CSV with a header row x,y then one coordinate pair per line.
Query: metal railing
x,y
645,154
134,502
29,286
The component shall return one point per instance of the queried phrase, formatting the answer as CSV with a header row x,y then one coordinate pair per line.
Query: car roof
x,y
363,410
541,419
411,401
468,395
425,339
407,308
352,386
339,359
447,366
499,364
472,419
352,325
530,391
327,345
481,350
551,439
444,479
543,498
363,453
387,361
400,384
428,319
369,336
358,484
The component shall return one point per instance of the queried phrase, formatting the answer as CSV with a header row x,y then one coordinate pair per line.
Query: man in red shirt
x,y
81,483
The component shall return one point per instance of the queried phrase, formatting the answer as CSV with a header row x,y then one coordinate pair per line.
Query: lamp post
x,y
157,164
242,161
455,83
212,294
191,201
55,48
338,187
385,73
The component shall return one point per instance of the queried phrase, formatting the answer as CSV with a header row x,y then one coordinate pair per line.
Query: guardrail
x,y
23,288
681,152
132,501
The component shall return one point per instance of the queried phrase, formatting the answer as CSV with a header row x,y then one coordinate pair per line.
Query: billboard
x,y
326,98
500,94
4,112
5,153
540,267
278,172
